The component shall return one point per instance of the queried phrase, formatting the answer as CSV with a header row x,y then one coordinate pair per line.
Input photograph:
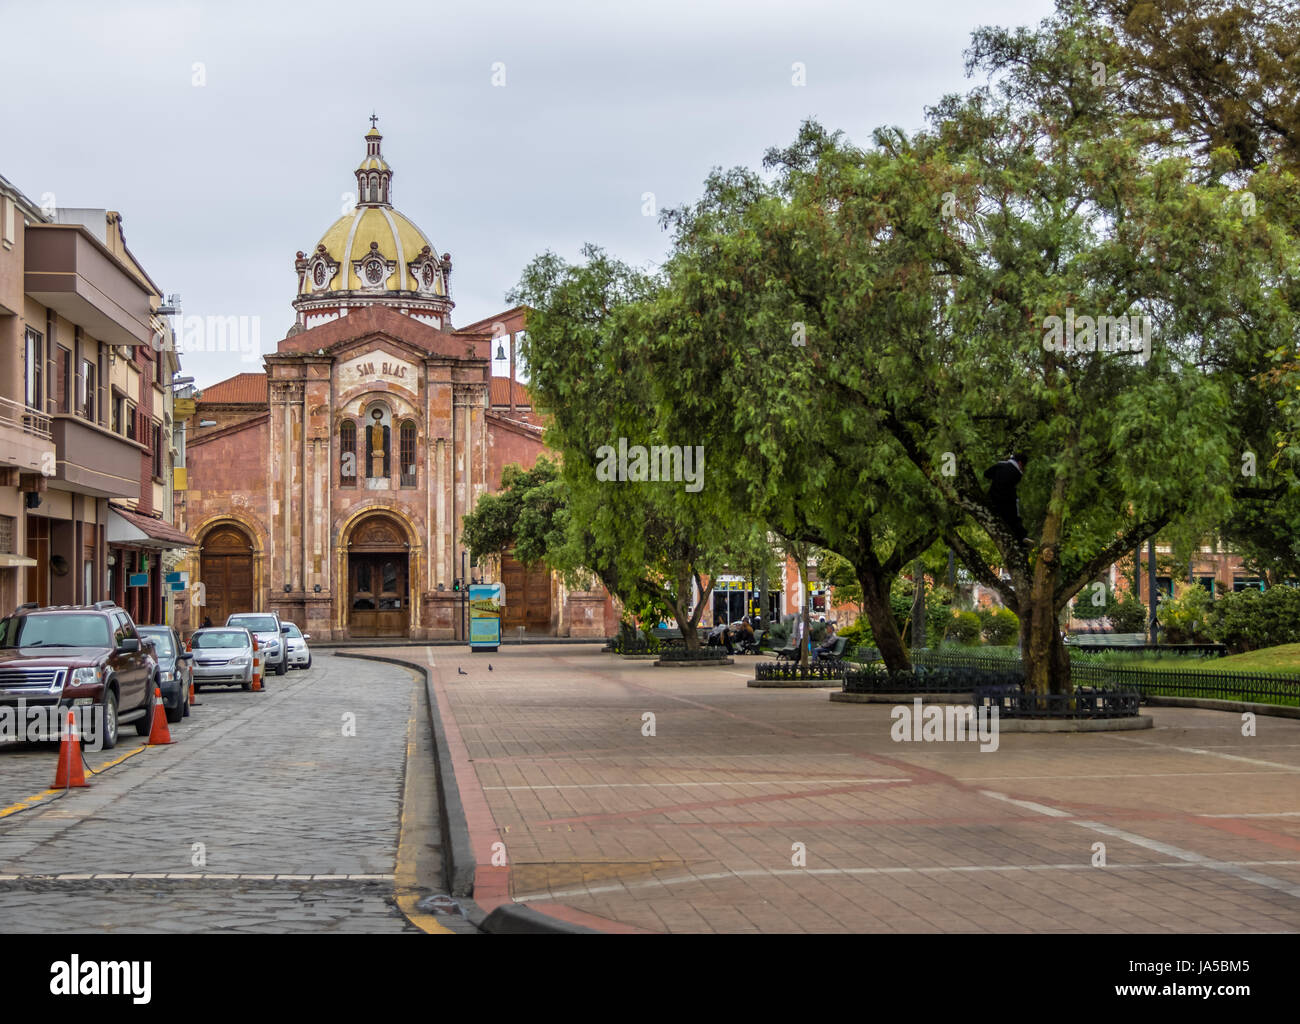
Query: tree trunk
x,y
803,583
919,639
875,604
1046,662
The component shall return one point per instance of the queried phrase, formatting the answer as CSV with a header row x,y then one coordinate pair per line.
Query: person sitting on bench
x,y
827,644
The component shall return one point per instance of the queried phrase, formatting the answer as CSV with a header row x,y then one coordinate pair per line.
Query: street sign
x,y
138,579
178,577
182,408
180,478
179,586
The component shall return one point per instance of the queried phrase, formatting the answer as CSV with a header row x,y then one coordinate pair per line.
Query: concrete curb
x,y
902,698
1212,704
520,919
506,642
458,863
704,663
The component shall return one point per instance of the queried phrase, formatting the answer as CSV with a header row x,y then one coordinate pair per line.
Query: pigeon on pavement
x,y
460,671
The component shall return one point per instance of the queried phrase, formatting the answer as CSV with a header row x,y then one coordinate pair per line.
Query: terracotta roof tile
x,y
241,389
500,394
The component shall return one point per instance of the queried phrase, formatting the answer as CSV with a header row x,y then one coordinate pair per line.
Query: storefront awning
x,y
139,530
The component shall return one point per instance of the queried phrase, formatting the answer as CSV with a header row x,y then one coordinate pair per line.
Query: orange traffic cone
x,y
257,668
159,734
194,701
69,773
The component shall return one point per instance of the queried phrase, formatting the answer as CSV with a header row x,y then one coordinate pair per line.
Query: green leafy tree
x,y
923,273
661,540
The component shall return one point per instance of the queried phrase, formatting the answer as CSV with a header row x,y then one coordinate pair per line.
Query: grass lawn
x,y
1282,660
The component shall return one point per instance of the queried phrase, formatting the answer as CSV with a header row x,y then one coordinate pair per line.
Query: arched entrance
x,y
378,599
226,569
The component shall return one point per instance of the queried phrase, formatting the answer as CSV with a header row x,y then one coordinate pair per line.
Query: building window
x,y
407,453
119,412
64,383
156,440
86,399
35,370
348,454
8,535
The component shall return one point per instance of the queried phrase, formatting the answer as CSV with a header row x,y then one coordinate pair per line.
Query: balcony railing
x,y
29,421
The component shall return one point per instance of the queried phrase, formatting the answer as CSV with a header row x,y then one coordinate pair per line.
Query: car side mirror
x,y
186,656
129,646
306,636
284,629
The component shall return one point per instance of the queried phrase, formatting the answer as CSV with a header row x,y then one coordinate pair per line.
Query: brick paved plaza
x,y
694,829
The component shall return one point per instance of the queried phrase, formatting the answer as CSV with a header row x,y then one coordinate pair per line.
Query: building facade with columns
x,y
330,488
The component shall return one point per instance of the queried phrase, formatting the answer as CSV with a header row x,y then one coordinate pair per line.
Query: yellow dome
x,y
373,229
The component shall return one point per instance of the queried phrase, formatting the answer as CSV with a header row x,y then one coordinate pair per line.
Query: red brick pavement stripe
x,y
491,884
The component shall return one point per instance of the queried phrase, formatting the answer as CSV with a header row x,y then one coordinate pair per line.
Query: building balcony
x,y
67,269
95,461
26,441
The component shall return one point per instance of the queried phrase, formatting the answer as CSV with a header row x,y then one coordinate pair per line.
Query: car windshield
x,y
208,639
292,630
254,623
55,630
162,640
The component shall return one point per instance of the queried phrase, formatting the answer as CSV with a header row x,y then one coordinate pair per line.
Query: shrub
x,y
779,634
1248,620
964,627
1129,616
858,635
1001,626
1086,607
1184,616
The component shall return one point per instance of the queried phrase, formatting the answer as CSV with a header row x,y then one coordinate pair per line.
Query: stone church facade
x,y
331,487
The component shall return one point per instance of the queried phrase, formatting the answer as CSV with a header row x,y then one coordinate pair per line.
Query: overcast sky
x,y
221,183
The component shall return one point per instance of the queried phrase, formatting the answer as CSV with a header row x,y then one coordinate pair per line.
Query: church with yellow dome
x,y
373,253
330,488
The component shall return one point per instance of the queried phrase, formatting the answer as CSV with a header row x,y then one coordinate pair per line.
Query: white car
x,y
297,653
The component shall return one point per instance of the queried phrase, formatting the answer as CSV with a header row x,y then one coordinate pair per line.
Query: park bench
x,y
1107,639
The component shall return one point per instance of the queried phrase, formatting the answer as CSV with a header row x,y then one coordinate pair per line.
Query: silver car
x,y
296,650
223,656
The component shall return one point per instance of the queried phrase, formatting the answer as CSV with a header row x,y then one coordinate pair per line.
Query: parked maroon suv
x,y
79,656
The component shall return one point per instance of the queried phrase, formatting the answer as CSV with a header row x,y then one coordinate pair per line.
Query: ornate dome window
x,y
373,270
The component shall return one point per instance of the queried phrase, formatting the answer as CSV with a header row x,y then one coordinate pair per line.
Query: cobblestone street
x,y
274,818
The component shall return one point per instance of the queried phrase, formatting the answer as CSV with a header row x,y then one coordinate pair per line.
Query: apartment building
x,y
85,436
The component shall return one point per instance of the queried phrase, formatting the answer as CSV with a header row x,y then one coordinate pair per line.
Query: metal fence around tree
x,y
1209,684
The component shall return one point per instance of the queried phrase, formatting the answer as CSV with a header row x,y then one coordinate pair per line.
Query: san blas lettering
x,y
385,370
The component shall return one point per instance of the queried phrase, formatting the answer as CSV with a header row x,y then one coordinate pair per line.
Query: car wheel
x,y
110,720
283,667
185,697
144,726
308,665
174,715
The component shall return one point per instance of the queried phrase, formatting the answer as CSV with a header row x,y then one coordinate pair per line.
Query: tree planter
x,y
683,657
